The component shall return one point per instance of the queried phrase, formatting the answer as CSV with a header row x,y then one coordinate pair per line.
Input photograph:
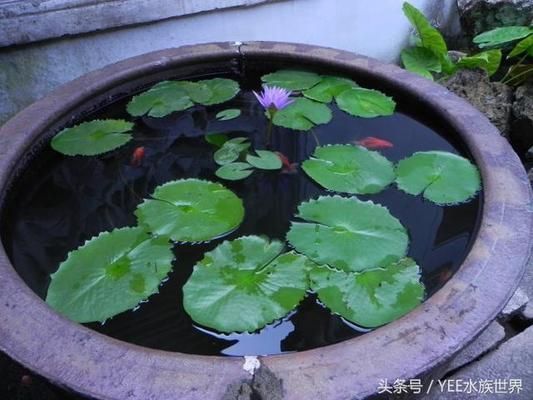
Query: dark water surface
x,y
59,202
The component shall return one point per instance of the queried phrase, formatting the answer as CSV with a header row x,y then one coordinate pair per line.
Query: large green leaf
x,y
525,45
245,284
221,89
328,88
487,60
371,298
421,61
93,137
231,150
365,103
430,38
302,115
291,79
234,171
265,160
443,178
349,169
164,98
109,274
348,234
191,210
502,36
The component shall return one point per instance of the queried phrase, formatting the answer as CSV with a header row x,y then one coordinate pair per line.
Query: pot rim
x,y
105,368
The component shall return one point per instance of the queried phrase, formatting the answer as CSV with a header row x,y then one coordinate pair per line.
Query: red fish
x,y
374,143
137,157
288,167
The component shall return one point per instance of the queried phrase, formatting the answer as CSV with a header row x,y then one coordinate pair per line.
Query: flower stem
x,y
269,128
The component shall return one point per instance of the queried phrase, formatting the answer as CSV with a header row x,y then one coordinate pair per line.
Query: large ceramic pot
x,y
416,345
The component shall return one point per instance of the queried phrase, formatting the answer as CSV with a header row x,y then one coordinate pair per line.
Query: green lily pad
x,y
348,234
243,285
234,171
349,169
109,274
191,210
421,61
265,160
93,137
291,79
216,139
302,115
228,114
370,298
443,178
221,89
365,103
231,150
328,88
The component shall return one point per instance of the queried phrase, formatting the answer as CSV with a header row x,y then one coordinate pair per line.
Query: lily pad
x,y
191,210
234,171
109,274
221,89
348,234
370,298
265,160
365,103
349,169
216,139
228,114
443,178
243,285
93,137
328,88
291,79
302,115
231,150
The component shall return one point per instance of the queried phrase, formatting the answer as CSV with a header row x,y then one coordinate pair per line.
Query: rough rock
x,y
482,15
494,99
527,287
264,385
522,125
516,304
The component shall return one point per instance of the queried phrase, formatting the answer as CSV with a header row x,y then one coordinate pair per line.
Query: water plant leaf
x,y
265,160
348,234
349,169
221,89
291,79
371,298
328,88
525,45
430,37
109,274
190,210
365,103
442,177
502,36
216,139
488,61
92,137
244,284
164,98
421,61
231,150
302,115
234,171
228,114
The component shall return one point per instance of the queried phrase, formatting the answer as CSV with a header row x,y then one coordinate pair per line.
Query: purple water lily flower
x,y
274,98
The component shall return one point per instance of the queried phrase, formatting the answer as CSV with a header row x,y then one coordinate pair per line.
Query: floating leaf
x,y
488,61
328,88
430,38
228,114
502,36
245,284
349,169
221,89
216,139
191,210
365,103
443,178
348,234
265,160
371,298
231,150
421,61
525,45
292,80
93,137
234,171
302,114
109,274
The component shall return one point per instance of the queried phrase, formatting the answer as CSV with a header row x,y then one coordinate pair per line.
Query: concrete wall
x,y
374,28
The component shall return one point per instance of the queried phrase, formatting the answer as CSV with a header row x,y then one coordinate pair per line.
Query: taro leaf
x,y
371,298
443,178
502,36
349,169
109,274
231,150
430,38
216,139
365,103
245,284
348,234
302,115
93,137
488,61
292,80
421,61
234,171
525,45
222,90
228,114
191,210
328,88
265,160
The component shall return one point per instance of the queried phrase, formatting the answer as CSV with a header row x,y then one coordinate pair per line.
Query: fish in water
x,y
288,167
374,143
137,156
